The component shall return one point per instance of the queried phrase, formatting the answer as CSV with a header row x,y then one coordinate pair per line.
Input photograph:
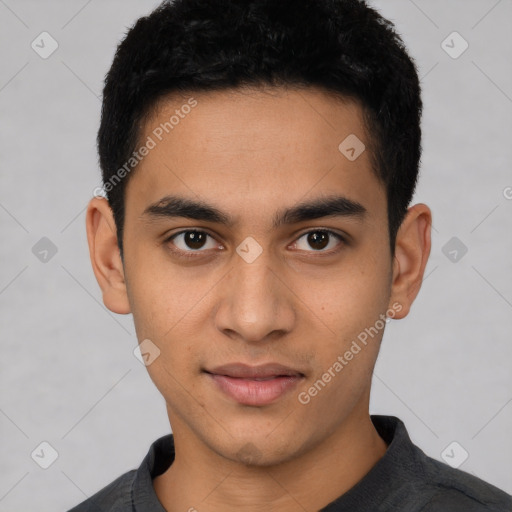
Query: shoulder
x,y
407,479
454,490
115,497
134,488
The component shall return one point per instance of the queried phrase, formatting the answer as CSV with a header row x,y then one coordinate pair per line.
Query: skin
x,y
252,153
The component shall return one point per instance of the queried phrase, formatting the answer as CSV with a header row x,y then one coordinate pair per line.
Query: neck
x,y
199,479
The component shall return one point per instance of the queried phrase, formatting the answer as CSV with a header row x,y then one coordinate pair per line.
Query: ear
x,y
412,249
105,255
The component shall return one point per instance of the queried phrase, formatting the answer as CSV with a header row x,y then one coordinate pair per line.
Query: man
x,y
259,158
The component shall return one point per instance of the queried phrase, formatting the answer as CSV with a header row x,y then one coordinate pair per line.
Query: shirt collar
x,y
398,467
158,459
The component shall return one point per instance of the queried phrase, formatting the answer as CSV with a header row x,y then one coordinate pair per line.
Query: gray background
x,y
68,373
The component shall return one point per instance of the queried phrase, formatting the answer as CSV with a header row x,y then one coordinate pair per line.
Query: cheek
x,y
161,301
350,305
349,299
345,356
167,309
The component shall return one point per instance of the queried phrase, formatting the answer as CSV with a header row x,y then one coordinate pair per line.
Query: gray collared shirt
x,y
403,480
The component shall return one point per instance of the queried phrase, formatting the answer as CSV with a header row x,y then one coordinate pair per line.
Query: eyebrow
x,y
330,206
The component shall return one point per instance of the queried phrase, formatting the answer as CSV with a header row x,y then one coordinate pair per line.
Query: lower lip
x,y
255,392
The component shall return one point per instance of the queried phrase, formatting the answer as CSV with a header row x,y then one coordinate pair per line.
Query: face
x,y
254,300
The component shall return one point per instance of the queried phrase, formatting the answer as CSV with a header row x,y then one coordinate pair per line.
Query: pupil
x,y
318,239
194,239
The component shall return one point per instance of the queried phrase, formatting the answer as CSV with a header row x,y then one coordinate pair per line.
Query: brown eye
x,y
318,240
192,241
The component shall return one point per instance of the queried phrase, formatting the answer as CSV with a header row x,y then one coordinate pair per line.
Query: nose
x,y
255,305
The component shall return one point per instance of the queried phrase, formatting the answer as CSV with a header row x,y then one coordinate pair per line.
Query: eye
x,y
320,240
192,240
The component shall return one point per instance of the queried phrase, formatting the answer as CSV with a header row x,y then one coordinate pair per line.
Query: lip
x,y
255,385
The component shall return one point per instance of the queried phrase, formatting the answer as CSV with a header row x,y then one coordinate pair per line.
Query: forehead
x,y
261,145
253,118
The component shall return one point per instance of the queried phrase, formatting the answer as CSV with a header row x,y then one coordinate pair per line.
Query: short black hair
x,y
344,47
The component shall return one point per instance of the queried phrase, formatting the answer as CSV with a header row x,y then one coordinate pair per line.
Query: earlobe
x,y
105,255
412,249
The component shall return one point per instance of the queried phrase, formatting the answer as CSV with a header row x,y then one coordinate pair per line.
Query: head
x,y
299,243
343,47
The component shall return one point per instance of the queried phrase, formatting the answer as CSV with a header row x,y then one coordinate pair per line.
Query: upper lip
x,y
244,371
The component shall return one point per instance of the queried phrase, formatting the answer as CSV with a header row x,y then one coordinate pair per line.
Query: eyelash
x,y
197,253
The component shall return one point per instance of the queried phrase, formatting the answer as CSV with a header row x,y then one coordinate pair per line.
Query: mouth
x,y
255,385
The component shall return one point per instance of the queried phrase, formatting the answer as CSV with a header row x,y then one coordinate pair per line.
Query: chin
x,y
258,450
